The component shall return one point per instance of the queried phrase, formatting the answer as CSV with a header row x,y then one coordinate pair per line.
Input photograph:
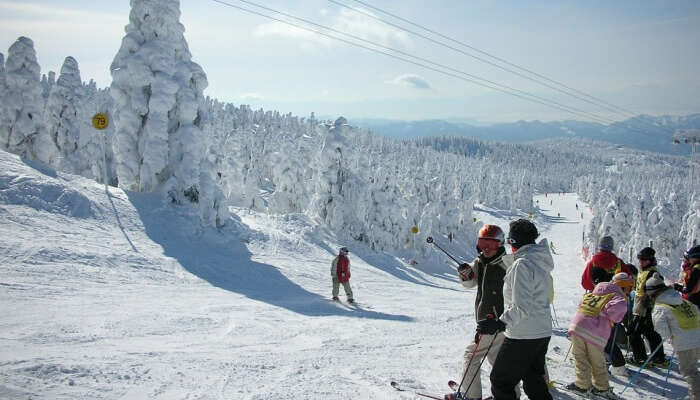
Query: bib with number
x,y
592,304
686,314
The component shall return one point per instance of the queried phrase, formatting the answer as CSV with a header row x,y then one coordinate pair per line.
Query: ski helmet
x,y
647,253
492,232
522,232
693,252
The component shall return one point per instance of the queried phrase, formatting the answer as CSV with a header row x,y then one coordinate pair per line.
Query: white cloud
x,y
251,96
410,80
346,21
289,31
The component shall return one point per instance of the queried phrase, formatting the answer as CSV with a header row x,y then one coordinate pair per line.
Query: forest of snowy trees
x,y
166,136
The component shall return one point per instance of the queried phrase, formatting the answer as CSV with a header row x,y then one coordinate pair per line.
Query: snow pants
x,y
520,359
611,348
589,363
346,286
688,365
646,328
475,352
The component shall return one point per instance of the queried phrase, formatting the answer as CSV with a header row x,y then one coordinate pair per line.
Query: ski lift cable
x,y
472,76
593,100
491,85
596,101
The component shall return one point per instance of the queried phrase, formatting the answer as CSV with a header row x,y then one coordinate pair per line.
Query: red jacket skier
x,y
603,262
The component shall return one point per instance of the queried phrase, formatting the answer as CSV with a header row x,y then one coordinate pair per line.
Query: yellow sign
x,y
414,229
100,121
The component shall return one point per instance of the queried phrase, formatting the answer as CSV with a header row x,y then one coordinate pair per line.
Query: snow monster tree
x,y
157,91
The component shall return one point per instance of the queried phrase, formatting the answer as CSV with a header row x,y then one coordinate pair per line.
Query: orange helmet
x,y
492,232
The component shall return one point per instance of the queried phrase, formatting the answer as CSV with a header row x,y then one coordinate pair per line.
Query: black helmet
x,y
522,232
646,253
693,252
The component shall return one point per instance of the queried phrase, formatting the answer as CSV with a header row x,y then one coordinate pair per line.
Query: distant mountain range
x,y
643,132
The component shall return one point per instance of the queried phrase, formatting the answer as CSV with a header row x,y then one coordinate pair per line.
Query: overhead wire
x,y
467,77
567,89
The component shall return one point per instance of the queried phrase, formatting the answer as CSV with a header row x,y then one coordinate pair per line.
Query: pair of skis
x,y
452,384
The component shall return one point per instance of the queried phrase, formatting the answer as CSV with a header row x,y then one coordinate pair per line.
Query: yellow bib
x,y
686,314
592,304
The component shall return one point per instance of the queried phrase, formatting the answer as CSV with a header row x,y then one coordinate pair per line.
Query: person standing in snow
x,y
618,334
340,272
486,273
691,276
642,323
597,312
526,317
604,259
677,319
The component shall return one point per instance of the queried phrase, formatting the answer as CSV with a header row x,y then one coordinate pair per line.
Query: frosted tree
x,y
47,82
59,145
4,109
22,102
157,91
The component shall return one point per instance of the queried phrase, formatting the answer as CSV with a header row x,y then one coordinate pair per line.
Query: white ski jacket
x,y
526,292
667,325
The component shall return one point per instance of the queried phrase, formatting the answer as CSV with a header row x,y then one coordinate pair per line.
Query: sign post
x,y
101,121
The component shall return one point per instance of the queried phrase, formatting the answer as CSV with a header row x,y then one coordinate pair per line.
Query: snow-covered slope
x,y
119,296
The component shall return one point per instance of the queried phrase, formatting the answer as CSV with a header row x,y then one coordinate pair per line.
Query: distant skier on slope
x,y
340,272
486,273
526,318
677,319
642,323
604,259
691,276
589,332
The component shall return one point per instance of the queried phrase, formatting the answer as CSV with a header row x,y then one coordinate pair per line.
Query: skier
x,y
677,319
589,332
604,259
691,276
526,318
340,272
618,334
642,323
486,273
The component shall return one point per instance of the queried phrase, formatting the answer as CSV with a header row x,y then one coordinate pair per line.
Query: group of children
x,y
659,312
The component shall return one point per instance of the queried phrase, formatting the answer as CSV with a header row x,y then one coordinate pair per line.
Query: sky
x,y
638,55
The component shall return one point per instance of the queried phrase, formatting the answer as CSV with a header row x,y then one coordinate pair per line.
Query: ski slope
x,y
116,295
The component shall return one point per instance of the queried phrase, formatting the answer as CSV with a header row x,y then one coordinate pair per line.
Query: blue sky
x,y
640,55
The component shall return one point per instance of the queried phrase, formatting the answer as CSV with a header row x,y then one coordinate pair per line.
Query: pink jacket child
x,y
597,312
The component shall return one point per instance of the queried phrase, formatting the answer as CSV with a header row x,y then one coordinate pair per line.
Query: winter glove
x,y
490,326
678,287
466,273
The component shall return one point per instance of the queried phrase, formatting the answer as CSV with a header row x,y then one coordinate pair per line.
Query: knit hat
x,y
522,232
655,284
623,280
693,252
646,253
606,243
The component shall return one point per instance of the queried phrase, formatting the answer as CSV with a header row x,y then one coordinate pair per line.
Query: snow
x,y
111,295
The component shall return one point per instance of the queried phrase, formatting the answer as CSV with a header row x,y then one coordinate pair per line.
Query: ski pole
x,y
482,362
571,344
642,367
429,239
469,364
668,372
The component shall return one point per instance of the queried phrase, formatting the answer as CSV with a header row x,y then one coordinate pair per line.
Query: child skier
x,y
589,331
677,319
618,334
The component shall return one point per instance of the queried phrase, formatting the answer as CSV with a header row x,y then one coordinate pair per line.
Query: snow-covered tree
x,y
157,91
59,145
22,102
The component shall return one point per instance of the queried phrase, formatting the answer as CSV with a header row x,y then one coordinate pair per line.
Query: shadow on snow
x,y
222,259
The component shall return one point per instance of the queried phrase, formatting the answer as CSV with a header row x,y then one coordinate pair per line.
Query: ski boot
x,y
575,389
335,298
605,394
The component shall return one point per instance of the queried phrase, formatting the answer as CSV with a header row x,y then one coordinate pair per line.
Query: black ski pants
x,y
646,329
617,359
520,360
